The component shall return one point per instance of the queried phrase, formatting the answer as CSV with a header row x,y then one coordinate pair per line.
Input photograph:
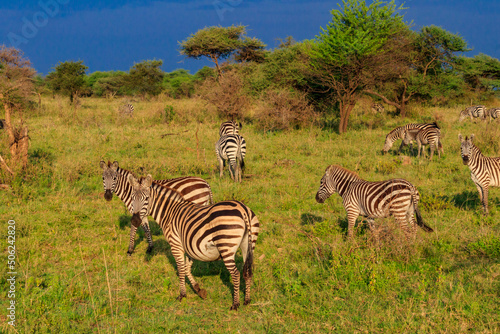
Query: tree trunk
x,y
18,141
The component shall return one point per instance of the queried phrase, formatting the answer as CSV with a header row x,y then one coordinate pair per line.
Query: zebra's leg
x,y
405,225
374,230
201,292
131,247
484,198
351,221
179,257
221,165
228,258
432,150
247,267
147,231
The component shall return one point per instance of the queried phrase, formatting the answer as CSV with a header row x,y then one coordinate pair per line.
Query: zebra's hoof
x,y
129,253
149,250
202,293
247,301
180,297
235,307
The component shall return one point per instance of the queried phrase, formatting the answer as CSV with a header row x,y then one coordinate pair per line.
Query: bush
x,y
284,110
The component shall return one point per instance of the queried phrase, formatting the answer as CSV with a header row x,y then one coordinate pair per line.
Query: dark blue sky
x,y
113,35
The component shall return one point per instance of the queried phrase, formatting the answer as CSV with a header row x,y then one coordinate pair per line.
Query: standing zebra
x,y
493,113
399,133
202,233
232,148
473,112
484,171
229,128
428,136
396,197
114,178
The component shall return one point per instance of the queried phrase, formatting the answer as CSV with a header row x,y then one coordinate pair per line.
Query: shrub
x,y
284,110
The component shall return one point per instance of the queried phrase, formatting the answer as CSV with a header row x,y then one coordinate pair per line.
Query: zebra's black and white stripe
x,y
428,136
127,110
493,113
396,197
114,178
377,107
232,148
473,112
484,171
202,233
399,133
229,128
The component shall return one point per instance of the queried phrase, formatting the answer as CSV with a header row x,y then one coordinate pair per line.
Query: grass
x,y
74,275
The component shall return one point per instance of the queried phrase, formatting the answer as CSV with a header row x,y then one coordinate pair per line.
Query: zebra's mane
x,y
352,174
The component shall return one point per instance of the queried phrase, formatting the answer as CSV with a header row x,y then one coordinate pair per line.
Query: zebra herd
x,y
480,112
199,229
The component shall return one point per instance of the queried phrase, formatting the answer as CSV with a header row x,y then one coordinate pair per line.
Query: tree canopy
x,y
68,78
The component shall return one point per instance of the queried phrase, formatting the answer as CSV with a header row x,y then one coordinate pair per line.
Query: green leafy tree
x,y
218,43
107,84
481,73
349,52
145,78
68,78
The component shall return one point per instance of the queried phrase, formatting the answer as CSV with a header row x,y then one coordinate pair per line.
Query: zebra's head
x,y
463,115
466,148
388,143
141,191
109,178
326,187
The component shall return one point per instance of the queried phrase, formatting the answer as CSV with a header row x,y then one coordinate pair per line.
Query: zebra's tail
x,y
418,215
248,266
240,162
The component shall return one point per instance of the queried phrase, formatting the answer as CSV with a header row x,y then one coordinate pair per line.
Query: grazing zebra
x,y
114,178
229,128
377,107
473,112
396,197
127,110
399,132
493,113
232,148
203,233
484,171
429,136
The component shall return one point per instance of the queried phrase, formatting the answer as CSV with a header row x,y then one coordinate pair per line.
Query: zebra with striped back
x,y
199,233
429,136
232,148
127,110
114,179
478,111
493,113
399,133
396,197
377,107
484,171
229,128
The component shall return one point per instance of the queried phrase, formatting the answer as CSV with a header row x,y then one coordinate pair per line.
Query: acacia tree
x,y
351,49
218,43
145,78
16,88
430,60
68,78
481,73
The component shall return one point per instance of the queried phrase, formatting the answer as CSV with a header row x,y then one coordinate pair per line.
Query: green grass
x,y
74,275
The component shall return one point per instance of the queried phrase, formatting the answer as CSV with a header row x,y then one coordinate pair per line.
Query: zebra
x,y
484,171
114,178
232,148
399,132
493,113
428,136
229,128
396,197
203,233
127,110
377,107
473,112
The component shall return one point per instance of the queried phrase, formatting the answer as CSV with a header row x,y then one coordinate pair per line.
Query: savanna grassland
x,y
74,275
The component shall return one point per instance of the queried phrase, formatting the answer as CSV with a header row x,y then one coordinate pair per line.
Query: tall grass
x,y
75,277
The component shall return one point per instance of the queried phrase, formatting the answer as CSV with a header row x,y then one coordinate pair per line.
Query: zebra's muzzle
x,y
108,195
465,160
319,199
136,220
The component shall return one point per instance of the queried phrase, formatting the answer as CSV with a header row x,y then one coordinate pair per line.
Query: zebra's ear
x,y
115,165
460,137
148,181
472,137
132,180
102,164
